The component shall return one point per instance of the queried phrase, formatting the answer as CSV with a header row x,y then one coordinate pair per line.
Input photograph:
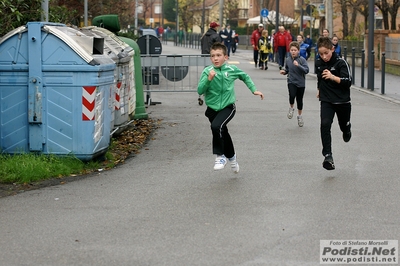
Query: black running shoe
x,y
347,136
328,163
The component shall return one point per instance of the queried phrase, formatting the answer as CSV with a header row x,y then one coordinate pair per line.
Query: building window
x,y
378,24
243,13
157,9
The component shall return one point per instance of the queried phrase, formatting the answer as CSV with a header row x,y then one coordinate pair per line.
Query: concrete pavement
x,y
166,206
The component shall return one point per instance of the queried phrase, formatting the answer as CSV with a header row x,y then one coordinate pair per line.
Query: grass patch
x,y
29,168
25,168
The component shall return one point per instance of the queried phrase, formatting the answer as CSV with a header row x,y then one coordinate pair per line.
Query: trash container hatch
x,y
55,85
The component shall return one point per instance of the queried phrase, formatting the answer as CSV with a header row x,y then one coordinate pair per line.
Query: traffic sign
x,y
264,12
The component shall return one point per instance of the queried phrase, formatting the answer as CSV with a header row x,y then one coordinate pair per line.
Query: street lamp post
x,y
177,22
45,13
162,13
136,17
86,12
301,15
371,62
329,16
203,17
221,10
277,16
261,7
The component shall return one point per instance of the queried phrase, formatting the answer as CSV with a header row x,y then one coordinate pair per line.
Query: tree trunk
x,y
345,18
353,22
384,7
393,14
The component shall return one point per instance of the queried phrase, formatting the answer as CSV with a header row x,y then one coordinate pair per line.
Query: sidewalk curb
x,y
381,96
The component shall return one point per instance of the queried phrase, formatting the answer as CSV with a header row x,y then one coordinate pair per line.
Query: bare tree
x,y
344,7
383,5
393,13
353,18
147,6
359,7
186,12
231,11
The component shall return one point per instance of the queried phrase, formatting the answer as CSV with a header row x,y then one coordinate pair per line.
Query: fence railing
x,y
172,73
352,51
392,48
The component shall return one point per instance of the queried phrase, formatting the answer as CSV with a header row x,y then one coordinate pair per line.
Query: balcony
x,y
243,13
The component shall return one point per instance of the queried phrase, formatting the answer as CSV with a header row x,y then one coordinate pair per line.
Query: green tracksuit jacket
x,y
220,92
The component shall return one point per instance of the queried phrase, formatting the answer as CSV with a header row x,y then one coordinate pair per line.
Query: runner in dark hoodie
x,y
209,38
334,82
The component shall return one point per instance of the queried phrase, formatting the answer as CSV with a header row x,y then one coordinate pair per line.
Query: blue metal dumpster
x,y
122,54
55,92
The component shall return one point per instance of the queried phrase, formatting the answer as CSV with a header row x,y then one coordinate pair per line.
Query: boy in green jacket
x,y
217,85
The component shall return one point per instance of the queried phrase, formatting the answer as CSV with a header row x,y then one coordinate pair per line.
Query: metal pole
x,y
85,14
301,16
353,65
383,74
136,18
45,8
371,62
329,16
261,6
221,12
203,15
162,17
177,22
277,16
148,73
362,67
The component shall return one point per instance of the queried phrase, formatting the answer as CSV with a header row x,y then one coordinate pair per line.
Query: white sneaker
x,y
290,113
300,121
220,162
234,166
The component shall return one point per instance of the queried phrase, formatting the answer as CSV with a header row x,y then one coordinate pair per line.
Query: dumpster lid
x,y
116,45
83,45
8,35
74,39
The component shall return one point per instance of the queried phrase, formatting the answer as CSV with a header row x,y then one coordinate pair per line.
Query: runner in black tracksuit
x,y
334,82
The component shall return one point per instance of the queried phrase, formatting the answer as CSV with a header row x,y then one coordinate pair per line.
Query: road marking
x,y
234,62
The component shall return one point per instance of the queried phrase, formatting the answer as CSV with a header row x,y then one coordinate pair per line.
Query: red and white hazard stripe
x,y
117,96
88,102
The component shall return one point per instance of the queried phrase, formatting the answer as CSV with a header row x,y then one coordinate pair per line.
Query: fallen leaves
x,y
129,142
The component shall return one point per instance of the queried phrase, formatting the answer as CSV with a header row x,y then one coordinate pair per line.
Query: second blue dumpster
x,y
122,54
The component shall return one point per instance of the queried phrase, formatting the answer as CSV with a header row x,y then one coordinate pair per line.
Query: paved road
x,y
166,206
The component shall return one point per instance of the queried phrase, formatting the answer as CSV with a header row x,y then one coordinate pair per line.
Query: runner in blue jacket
x,y
305,49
